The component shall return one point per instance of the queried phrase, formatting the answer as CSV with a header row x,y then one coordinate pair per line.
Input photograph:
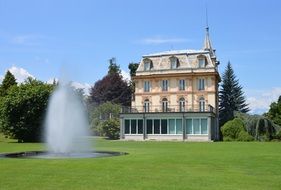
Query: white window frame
x,y
201,84
202,63
202,104
165,85
200,125
146,87
174,63
182,105
168,126
147,65
182,84
164,105
137,127
146,106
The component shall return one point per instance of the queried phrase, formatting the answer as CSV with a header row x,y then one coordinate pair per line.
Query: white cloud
x,y
260,100
126,75
29,40
85,86
162,40
51,80
20,74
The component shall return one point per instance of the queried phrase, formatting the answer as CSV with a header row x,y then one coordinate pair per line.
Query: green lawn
x,y
149,165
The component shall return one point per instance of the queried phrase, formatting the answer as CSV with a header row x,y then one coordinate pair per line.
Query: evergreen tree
x,y
8,81
113,68
231,96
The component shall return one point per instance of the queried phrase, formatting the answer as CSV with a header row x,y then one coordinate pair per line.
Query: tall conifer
x,y
8,81
231,96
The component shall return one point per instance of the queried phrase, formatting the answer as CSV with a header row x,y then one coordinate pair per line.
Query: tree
x,y
234,130
111,88
111,128
113,68
259,127
8,81
105,112
274,112
23,109
231,96
133,69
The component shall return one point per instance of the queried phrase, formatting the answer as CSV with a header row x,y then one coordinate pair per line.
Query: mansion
x,y
176,97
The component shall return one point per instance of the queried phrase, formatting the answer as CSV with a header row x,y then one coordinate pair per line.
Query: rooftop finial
x,y
207,43
207,24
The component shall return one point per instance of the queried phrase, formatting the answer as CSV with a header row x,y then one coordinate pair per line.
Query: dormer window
x,y
147,64
174,62
201,61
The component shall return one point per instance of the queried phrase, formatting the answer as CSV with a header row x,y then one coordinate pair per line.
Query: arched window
x,y
146,105
164,105
182,105
148,65
202,104
174,62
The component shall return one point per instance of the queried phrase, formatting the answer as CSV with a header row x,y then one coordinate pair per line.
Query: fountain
x,y
66,129
66,124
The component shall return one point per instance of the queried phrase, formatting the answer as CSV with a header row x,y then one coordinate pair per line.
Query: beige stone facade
x,y
176,97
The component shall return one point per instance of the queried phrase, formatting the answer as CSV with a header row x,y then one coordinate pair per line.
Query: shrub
x,y
22,110
277,137
244,136
111,128
102,113
231,129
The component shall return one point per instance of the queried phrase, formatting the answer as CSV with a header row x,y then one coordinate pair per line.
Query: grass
x,y
149,165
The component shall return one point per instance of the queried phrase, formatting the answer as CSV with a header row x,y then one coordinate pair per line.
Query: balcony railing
x,y
169,108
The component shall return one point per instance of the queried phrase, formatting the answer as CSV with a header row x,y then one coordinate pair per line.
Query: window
x,y
175,126
164,85
178,126
197,126
202,63
182,105
201,104
201,84
174,62
156,126
204,129
164,105
189,126
172,129
164,126
182,84
149,126
127,126
146,105
148,65
146,86
133,126
140,126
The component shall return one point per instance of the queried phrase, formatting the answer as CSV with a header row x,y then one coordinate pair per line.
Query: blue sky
x,y
41,37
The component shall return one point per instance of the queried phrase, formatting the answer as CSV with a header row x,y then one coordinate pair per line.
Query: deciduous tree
x,y
22,110
111,88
